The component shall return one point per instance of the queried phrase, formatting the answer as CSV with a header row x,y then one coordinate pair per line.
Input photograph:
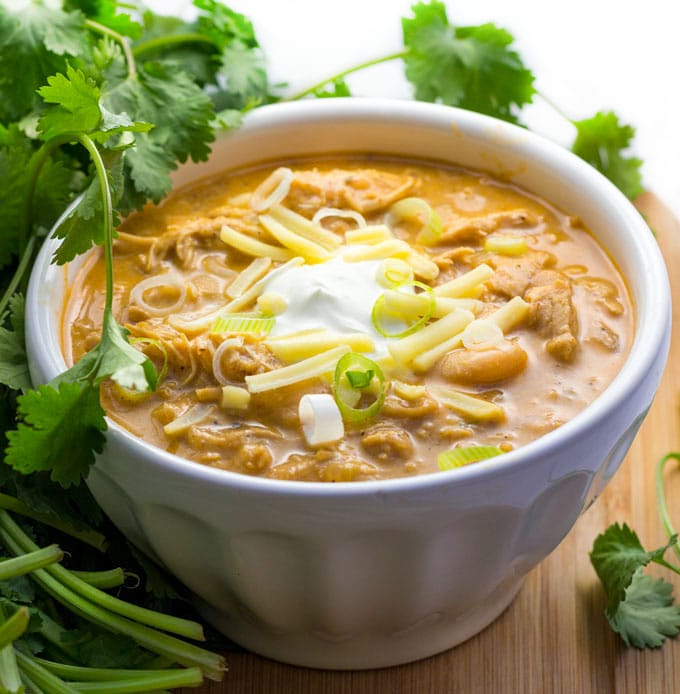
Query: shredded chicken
x,y
387,441
365,190
514,275
552,312
602,292
395,406
248,358
460,229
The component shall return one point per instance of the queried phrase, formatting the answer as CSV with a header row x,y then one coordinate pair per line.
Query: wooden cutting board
x,y
554,637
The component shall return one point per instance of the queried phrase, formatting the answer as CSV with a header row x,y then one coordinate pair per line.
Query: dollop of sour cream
x,y
336,295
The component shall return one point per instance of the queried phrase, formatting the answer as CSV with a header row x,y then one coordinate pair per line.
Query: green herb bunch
x,y
99,103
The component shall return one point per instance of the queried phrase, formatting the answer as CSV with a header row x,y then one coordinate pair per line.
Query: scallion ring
x,y
245,323
369,378
393,272
464,455
417,209
378,311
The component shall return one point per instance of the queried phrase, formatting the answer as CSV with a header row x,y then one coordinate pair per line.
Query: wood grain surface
x,y
554,637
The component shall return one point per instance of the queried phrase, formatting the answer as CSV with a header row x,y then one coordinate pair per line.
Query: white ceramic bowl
x,y
370,574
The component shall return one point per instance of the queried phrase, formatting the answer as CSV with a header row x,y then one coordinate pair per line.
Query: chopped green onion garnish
x,y
243,323
458,457
417,209
393,271
378,313
348,396
360,379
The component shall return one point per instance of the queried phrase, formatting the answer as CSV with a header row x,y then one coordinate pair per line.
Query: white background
x,y
587,55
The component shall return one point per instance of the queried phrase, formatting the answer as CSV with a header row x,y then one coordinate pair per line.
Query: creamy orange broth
x,y
575,336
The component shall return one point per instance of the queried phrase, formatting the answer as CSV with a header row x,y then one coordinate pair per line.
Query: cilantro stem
x,y
158,620
34,168
10,680
19,273
41,677
89,537
118,38
661,498
14,627
107,206
26,241
79,673
555,107
161,42
102,579
25,564
113,681
170,679
344,73
155,641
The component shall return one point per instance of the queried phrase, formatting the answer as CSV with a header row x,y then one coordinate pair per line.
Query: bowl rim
x,y
651,328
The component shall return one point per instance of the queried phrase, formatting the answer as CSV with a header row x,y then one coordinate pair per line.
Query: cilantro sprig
x,y
122,110
477,68
639,608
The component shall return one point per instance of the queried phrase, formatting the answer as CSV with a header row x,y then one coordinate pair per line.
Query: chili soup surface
x,y
355,318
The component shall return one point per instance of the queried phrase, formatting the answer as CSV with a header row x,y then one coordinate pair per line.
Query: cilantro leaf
x,y
182,114
470,67
106,12
16,590
53,190
113,357
647,614
198,59
602,141
639,608
76,506
229,119
223,25
13,360
339,88
34,43
97,648
77,100
244,75
78,109
616,556
60,432
83,227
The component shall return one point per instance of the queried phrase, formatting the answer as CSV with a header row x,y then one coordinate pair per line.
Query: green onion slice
x,y
243,323
417,209
360,379
378,313
458,457
394,271
369,378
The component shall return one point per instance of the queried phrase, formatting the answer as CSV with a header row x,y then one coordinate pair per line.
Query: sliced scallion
x,y
458,457
243,323
393,272
360,379
418,210
370,381
379,313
